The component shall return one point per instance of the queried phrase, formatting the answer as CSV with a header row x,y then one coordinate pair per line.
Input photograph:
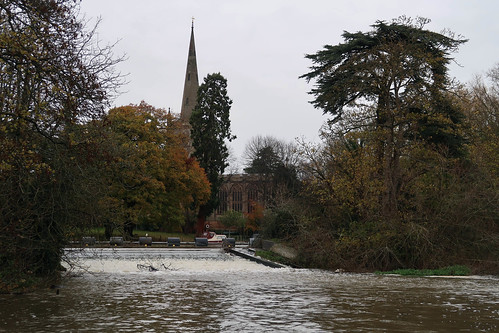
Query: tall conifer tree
x,y
210,132
397,71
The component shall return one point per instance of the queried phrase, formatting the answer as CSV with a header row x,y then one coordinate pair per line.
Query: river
x,y
193,290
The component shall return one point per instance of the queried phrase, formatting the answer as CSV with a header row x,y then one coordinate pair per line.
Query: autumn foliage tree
x,y
152,180
478,202
255,216
483,119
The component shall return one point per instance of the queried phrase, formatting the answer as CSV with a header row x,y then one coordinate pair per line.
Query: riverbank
x,y
285,254
456,270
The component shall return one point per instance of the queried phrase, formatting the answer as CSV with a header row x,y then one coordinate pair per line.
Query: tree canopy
x,y
277,162
391,82
152,178
391,186
53,78
395,65
210,133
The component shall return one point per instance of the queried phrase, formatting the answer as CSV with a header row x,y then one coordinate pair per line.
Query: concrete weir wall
x,y
280,249
255,259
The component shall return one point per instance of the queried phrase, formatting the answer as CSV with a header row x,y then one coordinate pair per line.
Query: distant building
x,y
239,192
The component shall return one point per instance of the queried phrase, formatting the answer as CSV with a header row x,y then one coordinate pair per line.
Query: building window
x,y
237,200
187,101
252,199
188,76
223,197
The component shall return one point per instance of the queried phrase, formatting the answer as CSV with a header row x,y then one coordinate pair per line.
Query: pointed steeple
x,y
191,83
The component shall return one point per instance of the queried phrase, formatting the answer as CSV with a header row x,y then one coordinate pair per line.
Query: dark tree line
x,y
399,181
406,175
53,78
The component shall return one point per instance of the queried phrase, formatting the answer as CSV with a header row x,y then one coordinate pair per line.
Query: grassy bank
x,y
272,256
456,270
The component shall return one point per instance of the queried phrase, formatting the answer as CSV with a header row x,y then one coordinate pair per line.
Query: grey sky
x,y
259,46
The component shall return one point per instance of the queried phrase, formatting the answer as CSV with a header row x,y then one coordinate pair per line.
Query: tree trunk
x,y
391,183
108,230
128,229
200,224
390,160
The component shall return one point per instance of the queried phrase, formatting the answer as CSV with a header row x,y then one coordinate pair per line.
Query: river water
x,y
113,290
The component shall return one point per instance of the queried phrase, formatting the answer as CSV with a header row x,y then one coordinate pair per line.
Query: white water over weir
x,y
184,261
207,290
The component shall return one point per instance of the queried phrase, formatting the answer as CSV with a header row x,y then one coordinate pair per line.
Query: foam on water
x,y
159,260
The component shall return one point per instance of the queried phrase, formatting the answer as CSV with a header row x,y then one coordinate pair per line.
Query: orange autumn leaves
x,y
152,177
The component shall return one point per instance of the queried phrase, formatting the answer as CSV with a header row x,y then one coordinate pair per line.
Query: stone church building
x,y
239,192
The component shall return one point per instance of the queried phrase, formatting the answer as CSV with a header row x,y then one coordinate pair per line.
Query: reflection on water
x,y
208,290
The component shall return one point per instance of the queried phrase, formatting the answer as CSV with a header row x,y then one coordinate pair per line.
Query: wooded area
x,y
68,163
407,174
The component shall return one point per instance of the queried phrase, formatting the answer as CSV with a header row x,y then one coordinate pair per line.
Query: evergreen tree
x,y
210,131
391,182
396,76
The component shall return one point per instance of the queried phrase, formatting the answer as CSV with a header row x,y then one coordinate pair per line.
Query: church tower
x,y
191,83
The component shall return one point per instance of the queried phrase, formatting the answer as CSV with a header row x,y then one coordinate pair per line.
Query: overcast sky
x,y
259,47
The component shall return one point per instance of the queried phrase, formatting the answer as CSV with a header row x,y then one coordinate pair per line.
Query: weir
x,y
135,259
250,256
228,245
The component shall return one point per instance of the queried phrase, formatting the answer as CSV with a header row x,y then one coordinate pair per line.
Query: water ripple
x,y
211,291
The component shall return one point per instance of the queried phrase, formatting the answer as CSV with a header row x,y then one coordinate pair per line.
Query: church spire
x,y
191,83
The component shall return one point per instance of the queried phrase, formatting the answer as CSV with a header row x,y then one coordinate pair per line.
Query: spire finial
x,y
193,22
